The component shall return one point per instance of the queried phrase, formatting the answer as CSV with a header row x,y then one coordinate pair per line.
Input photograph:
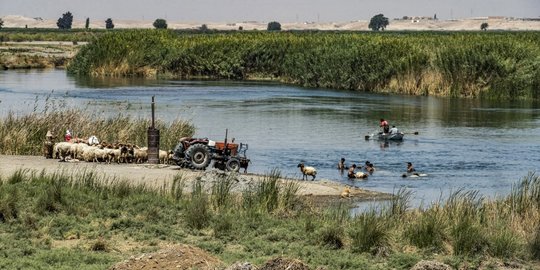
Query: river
x,y
461,143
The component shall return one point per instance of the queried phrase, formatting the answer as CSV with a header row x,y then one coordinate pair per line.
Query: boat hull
x,y
390,137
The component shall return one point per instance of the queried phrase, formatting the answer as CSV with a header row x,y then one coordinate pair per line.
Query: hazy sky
x,y
267,10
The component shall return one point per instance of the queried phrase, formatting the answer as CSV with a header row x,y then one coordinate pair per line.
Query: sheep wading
x,y
306,170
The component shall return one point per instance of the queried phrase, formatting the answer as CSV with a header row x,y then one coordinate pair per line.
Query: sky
x,y
268,10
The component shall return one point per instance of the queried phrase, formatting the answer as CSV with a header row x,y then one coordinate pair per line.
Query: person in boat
x,y
351,172
384,125
394,130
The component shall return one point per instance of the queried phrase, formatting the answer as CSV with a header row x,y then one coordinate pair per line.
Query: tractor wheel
x,y
233,165
198,156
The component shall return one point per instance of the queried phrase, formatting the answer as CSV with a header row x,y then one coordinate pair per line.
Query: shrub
x,y
221,191
198,214
503,243
369,233
9,197
427,230
331,236
99,245
468,237
223,225
534,244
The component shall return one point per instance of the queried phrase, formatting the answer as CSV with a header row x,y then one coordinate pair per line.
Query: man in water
x,y
384,125
410,170
341,164
369,167
351,172
410,167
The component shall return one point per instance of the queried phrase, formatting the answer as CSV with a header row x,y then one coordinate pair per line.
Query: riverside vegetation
x,y
24,134
67,220
498,65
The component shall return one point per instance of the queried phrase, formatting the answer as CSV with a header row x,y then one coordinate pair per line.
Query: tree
x,y
378,22
87,24
484,26
65,21
273,26
1,23
203,28
109,24
160,24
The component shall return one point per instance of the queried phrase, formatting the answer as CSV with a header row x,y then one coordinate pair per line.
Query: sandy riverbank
x,y
323,190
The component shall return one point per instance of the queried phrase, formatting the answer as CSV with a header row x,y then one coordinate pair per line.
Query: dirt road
x,y
160,175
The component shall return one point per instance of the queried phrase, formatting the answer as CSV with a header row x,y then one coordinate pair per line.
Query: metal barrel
x,y
153,145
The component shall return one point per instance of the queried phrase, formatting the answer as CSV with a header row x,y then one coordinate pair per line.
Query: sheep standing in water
x,y
306,170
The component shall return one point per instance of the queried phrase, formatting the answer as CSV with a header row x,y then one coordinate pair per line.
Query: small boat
x,y
390,136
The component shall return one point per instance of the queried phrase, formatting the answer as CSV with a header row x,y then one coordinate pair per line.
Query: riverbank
x,y
38,54
155,176
67,220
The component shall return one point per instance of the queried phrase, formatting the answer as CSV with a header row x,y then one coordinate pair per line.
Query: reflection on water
x,y
460,143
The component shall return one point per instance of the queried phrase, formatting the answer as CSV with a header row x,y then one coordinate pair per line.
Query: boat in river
x,y
397,137
390,136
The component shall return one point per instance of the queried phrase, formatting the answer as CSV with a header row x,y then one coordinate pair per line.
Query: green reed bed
x,y
458,64
41,213
25,134
44,34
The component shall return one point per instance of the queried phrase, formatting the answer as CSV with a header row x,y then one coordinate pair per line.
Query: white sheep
x,y
89,153
307,171
61,150
163,157
140,154
360,175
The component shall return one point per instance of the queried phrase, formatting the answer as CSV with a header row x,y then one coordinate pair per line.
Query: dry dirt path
x,y
161,175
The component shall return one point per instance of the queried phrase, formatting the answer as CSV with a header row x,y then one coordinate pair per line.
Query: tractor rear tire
x,y
198,156
233,165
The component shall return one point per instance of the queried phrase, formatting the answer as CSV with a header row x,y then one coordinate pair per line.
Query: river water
x,y
461,143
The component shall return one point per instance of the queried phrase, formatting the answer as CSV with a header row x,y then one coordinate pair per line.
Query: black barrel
x,y
153,145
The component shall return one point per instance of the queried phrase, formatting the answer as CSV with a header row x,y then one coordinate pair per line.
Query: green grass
x,y
41,213
498,65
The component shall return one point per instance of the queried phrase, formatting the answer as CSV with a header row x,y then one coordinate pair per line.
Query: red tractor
x,y
198,153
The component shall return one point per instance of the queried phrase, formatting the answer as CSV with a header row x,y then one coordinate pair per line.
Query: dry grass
x,y
24,135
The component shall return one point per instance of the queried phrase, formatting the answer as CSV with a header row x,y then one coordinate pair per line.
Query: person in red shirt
x,y
384,125
67,137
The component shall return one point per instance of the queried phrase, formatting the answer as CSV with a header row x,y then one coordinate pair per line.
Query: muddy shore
x,y
322,191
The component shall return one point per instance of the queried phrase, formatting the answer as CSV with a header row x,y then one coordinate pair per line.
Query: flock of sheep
x,y
77,150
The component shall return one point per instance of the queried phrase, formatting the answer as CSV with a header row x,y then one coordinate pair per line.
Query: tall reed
x,y
25,134
501,65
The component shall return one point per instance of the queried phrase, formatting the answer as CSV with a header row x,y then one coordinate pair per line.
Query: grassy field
x,y
63,221
499,65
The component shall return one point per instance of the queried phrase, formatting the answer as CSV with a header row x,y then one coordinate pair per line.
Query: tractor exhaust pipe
x,y
153,139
